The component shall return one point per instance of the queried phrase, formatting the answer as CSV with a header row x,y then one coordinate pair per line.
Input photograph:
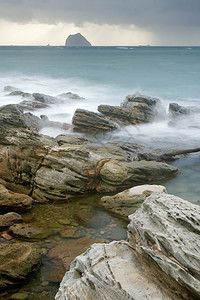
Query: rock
x,y
176,110
70,95
9,88
19,296
92,219
46,99
16,93
61,256
167,229
114,271
32,105
11,109
32,121
128,201
10,201
32,231
70,232
87,121
77,40
160,260
17,261
122,173
9,219
144,109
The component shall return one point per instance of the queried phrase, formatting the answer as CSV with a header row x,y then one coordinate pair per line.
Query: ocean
x,y
106,75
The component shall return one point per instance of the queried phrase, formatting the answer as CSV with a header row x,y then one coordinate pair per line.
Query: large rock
x,y
176,110
10,201
160,260
167,230
144,109
77,40
88,121
127,202
17,261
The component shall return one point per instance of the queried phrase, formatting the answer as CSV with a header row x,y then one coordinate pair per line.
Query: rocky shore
x,y
39,170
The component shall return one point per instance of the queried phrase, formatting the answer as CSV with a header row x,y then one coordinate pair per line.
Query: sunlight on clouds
x,y
56,34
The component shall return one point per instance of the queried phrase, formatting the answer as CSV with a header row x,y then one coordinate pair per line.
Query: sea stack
x,y
77,40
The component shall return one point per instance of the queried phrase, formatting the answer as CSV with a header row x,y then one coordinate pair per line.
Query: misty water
x,y
106,75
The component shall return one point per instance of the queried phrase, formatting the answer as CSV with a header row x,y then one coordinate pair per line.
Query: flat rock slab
x,y
29,231
17,261
113,272
167,229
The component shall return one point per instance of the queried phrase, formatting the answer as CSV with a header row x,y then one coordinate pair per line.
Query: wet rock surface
x,y
157,262
29,231
17,261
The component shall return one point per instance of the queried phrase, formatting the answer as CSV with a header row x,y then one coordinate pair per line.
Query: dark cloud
x,y
143,13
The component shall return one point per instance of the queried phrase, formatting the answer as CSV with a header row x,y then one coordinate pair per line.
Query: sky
x,y
102,22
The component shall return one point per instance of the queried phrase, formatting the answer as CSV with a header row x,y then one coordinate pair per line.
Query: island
x,y
77,40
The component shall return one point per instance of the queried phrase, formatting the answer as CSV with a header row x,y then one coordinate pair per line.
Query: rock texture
x,y
127,202
167,229
77,40
47,168
160,260
88,121
17,261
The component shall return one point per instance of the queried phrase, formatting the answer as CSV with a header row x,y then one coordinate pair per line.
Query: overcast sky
x,y
102,22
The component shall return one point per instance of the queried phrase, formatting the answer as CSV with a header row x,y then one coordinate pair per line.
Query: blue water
x,y
106,75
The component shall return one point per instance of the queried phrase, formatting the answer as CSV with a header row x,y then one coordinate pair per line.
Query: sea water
x,y
106,75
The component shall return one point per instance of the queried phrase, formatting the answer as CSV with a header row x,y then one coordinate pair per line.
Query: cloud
x,y
142,13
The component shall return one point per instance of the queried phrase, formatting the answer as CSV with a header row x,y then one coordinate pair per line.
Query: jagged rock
x,y
11,109
87,121
10,201
77,40
32,231
128,201
32,105
167,229
9,219
160,260
115,271
17,261
145,108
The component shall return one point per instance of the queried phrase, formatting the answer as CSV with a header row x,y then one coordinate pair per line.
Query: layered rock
x,y
87,121
160,260
127,202
176,110
167,229
135,109
17,261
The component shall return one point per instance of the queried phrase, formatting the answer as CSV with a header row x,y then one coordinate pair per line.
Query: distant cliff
x,y
77,40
